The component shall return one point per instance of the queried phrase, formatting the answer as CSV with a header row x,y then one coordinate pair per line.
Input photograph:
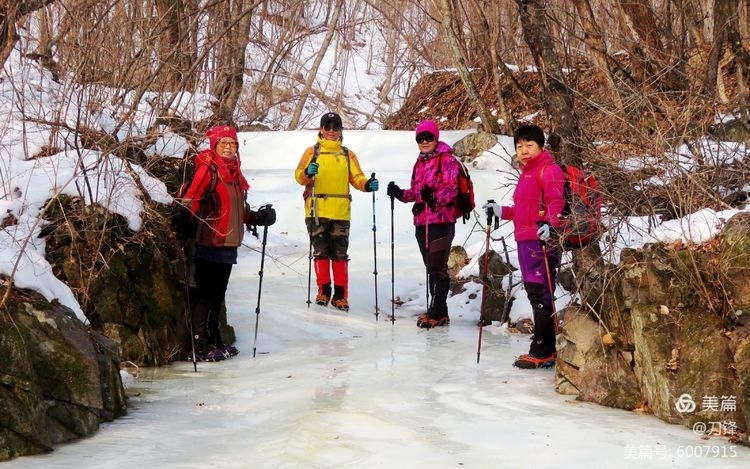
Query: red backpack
x,y
582,213
465,197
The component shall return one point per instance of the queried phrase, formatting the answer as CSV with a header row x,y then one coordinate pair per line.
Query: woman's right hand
x,y
312,169
497,210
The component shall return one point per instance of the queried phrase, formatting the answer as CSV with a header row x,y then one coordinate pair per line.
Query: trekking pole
x,y
260,279
375,252
188,313
505,317
314,216
485,278
427,266
309,271
393,271
550,286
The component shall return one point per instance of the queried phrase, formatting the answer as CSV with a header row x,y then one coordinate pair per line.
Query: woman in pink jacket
x,y
538,201
434,187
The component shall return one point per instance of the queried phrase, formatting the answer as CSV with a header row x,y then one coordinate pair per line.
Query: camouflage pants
x,y
329,238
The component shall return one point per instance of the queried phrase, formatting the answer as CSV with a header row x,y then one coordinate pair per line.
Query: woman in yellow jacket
x,y
327,169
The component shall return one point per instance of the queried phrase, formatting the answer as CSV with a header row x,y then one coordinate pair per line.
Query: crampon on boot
x,y
340,270
529,362
426,322
324,295
339,300
208,354
230,351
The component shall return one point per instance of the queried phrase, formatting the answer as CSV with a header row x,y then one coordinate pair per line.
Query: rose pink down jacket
x,y
525,212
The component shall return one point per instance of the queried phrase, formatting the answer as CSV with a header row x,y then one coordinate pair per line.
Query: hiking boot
x,y
340,303
230,351
529,362
211,354
424,321
322,300
324,295
339,300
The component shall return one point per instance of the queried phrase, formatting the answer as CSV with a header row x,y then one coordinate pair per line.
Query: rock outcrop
x,y
680,344
58,379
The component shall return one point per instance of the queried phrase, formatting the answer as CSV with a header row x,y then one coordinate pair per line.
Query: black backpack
x,y
183,220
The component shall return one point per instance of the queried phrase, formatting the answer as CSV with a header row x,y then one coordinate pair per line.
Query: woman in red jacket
x,y
217,196
538,201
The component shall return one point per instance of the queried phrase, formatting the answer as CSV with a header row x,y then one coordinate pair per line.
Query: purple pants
x,y
533,267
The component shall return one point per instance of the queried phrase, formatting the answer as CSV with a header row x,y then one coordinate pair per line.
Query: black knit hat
x,y
331,118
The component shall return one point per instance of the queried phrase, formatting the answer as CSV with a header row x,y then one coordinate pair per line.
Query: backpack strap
x,y
540,185
316,153
440,173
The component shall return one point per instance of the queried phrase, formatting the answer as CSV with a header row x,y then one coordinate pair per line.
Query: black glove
x,y
265,216
394,191
428,196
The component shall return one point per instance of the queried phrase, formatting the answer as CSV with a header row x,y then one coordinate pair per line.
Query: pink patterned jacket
x,y
439,170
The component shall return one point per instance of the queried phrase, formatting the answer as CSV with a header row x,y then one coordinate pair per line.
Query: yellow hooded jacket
x,y
336,172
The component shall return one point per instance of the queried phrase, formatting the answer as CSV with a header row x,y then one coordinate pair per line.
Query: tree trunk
x,y
312,74
10,12
174,46
488,120
558,99
229,83
597,47
492,36
651,60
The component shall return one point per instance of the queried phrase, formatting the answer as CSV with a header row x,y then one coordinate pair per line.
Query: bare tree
x,y
654,64
313,72
231,56
176,43
597,46
10,12
558,99
448,23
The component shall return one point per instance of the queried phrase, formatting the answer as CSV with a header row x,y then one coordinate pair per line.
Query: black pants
x,y
434,243
211,280
543,342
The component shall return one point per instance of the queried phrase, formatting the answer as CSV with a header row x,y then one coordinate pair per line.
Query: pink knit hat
x,y
428,126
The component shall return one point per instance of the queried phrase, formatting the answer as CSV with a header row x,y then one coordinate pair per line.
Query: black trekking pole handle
x,y
491,214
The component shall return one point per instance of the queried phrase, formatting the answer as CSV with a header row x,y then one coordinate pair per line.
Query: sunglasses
x,y
425,137
227,143
332,127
